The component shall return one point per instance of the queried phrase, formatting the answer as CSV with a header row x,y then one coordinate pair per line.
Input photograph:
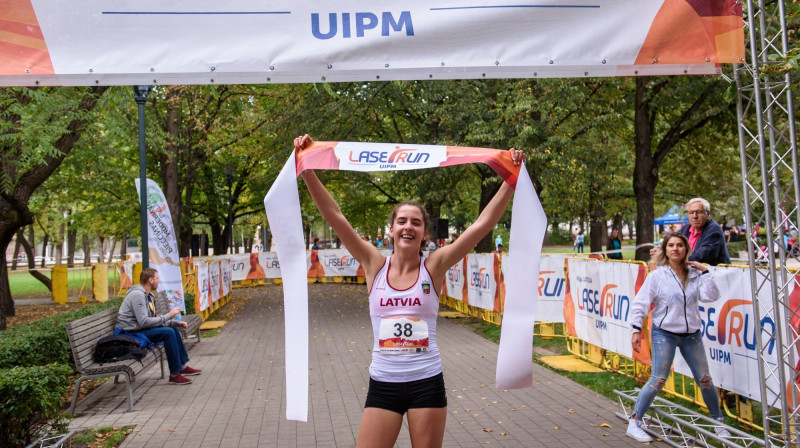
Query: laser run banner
x,y
162,245
128,42
550,306
729,334
598,300
528,224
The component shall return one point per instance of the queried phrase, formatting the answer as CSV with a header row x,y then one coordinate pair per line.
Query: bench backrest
x,y
84,333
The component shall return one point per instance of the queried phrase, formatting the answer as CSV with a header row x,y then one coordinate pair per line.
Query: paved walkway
x,y
239,401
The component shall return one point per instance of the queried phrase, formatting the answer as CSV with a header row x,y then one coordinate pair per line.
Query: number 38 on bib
x,y
403,335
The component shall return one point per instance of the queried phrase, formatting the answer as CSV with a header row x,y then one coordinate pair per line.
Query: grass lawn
x,y
23,284
629,254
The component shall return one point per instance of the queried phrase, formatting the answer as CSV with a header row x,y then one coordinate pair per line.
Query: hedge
x,y
44,341
30,398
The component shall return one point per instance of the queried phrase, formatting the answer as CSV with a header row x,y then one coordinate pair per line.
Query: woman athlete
x,y
406,371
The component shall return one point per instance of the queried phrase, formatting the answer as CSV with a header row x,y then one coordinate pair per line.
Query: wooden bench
x,y
193,321
83,335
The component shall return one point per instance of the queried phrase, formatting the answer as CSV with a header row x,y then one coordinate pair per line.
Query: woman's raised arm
x,y
361,250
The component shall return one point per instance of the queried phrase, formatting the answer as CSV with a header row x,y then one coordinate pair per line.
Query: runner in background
x,y
406,371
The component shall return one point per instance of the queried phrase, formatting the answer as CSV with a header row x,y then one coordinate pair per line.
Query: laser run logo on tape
x,y
377,156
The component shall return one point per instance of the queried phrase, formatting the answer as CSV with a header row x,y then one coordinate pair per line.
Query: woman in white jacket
x,y
674,289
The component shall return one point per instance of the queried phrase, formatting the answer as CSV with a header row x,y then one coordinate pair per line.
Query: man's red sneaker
x,y
179,379
188,371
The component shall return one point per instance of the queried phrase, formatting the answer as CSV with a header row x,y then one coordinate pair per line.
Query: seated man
x,y
137,314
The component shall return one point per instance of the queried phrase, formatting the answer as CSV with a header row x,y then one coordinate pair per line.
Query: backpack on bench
x,y
118,347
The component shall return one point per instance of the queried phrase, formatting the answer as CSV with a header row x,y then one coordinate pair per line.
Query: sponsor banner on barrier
x,y
481,281
162,244
729,334
337,262
455,280
225,272
203,299
89,42
214,280
550,306
600,294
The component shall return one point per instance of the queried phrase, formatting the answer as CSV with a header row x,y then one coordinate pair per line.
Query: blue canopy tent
x,y
673,216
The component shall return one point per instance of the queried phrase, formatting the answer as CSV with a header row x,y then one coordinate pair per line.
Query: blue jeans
x,y
173,346
664,344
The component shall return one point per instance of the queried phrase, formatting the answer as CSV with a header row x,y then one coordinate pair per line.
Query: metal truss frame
x,y
680,427
768,147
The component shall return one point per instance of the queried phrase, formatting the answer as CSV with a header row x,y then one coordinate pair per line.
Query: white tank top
x,y
420,301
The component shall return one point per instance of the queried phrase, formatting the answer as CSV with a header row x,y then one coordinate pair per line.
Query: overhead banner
x,y
282,204
162,245
128,42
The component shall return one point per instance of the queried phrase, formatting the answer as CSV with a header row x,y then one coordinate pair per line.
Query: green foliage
x,y
735,247
109,436
30,397
44,341
189,303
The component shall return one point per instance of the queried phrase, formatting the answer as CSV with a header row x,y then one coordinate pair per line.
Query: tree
x,y
38,129
668,111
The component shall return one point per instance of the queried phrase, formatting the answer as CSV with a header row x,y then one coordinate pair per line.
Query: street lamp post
x,y
229,177
140,96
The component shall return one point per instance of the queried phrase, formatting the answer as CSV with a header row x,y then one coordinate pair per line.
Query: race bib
x,y
403,335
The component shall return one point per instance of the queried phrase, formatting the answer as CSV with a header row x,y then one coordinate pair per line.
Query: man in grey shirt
x,y
137,314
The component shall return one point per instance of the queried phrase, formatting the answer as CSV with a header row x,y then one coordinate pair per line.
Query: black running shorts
x,y
400,397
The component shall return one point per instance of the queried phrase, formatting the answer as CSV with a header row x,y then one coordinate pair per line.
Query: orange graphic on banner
x,y
316,269
22,46
643,355
695,31
256,270
499,281
465,287
794,308
569,306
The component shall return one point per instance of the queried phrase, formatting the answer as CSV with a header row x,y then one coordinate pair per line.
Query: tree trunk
x,y
60,246
219,239
123,248
6,301
111,248
645,172
101,249
32,265
16,251
488,190
45,243
72,240
87,251
203,244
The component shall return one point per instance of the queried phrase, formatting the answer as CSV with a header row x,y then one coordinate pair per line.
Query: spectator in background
x,y
614,243
706,238
315,244
575,240
137,314
580,239
379,241
499,249
498,242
